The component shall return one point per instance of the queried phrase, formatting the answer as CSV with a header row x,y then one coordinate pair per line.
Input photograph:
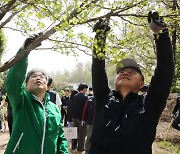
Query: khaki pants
x,y
79,142
87,142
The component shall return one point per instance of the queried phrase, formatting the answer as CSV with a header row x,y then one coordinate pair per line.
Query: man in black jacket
x,y
125,122
78,103
65,99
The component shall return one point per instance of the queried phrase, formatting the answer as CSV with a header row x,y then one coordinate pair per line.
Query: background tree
x,y
68,25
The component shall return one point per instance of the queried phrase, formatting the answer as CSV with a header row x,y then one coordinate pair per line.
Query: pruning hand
x,y
30,39
101,27
156,23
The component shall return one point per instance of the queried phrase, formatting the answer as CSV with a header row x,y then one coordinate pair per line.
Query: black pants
x,y
10,120
64,116
176,123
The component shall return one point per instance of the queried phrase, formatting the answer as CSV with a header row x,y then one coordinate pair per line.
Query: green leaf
x,y
69,8
22,15
39,15
41,24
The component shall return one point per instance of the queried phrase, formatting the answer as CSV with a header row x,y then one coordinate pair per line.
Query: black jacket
x,y
78,103
129,126
65,100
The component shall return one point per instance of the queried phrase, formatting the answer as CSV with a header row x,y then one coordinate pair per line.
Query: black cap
x,y
128,63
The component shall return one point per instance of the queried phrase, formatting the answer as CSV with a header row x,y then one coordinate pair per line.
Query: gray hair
x,y
34,71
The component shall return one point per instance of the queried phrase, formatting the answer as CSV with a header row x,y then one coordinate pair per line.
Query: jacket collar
x,y
34,97
118,95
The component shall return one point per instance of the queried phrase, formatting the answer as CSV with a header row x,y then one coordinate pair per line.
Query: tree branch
x,y
43,37
11,16
6,9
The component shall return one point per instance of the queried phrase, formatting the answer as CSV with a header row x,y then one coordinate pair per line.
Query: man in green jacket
x,y
37,127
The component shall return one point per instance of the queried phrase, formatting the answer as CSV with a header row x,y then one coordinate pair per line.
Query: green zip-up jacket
x,y
37,127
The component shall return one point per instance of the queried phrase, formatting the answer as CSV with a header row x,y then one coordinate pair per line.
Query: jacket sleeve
x,y
62,145
161,81
99,76
14,81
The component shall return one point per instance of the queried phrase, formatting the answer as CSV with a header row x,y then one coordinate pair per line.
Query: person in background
x,y
9,113
65,100
69,113
125,122
3,108
54,96
37,126
176,115
78,103
87,118
0,113
69,108
90,91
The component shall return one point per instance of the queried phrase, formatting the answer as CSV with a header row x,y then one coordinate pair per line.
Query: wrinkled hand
x,y
102,26
83,123
30,39
155,22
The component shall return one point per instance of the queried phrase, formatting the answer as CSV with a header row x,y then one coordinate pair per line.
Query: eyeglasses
x,y
41,76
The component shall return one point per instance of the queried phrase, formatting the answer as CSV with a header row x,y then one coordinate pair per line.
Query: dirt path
x,y
4,138
162,128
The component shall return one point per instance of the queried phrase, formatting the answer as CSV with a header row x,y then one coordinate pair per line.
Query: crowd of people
x,y
119,121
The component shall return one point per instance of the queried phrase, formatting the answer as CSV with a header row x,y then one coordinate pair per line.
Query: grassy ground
x,y
169,147
167,141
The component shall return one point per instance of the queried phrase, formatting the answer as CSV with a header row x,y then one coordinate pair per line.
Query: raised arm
x,y
16,76
14,81
161,81
99,76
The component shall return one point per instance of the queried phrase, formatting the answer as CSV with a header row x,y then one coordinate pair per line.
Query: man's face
x,y
66,92
84,90
130,79
37,83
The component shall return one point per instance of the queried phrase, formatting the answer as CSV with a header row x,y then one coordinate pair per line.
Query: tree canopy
x,y
68,25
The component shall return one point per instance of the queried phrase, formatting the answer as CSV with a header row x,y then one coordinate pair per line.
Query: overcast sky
x,y
48,60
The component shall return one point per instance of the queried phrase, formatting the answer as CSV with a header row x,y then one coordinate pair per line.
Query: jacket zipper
x,y
17,144
44,131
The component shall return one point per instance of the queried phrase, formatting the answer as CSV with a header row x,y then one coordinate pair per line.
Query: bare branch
x,y
11,16
132,22
6,9
69,42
